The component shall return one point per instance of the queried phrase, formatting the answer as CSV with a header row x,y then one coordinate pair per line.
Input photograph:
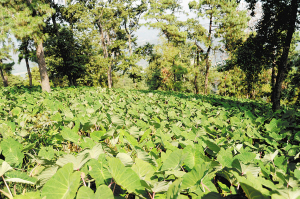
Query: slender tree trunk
x,y
207,54
104,46
42,67
27,64
198,68
273,80
283,67
225,84
4,79
105,53
28,71
109,77
109,72
129,44
174,75
206,76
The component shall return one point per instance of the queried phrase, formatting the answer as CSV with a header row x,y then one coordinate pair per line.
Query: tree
x,y
27,52
275,30
196,32
163,15
103,18
66,56
5,47
222,17
168,66
131,12
5,70
28,21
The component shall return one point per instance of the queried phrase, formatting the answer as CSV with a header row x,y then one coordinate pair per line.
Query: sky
x,y
144,35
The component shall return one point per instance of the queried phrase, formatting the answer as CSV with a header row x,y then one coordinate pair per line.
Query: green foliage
x,y
93,142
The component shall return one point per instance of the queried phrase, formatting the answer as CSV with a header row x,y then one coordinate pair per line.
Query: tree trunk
x,y
283,67
105,53
28,71
104,46
4,79
27,63
198,68
273,80
207,55
42,67
109,77
109,73
206,76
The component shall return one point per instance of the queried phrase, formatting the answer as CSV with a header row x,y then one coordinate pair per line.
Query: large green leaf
x,y
85,193
142,168
125,159
174,190
246,157
286,193
5,167
46,174
70,135
199,177
63,184
29,195
251,192
12,150
174,161
104,192
47,153
98,171
192,157
124,176
20,177
77,161
225,157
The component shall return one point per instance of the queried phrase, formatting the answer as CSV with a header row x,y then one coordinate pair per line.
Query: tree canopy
x,y
95,43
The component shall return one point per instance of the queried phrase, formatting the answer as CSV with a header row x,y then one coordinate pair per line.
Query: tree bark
x,y
28,71
109,73
207,54
105,53
273,80
283,67
42,67
4,79
104,46
198,68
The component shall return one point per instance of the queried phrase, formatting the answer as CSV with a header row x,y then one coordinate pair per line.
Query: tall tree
x,y
197,34
163,15
222,17
131,12
28,21
104,18
277,26
27,52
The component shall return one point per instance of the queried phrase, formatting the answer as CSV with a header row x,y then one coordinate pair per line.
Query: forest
x,y
210,109
220,47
